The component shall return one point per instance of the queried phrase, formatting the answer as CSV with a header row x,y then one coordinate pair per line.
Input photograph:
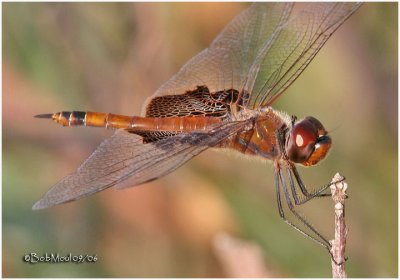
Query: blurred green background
x,y
110,58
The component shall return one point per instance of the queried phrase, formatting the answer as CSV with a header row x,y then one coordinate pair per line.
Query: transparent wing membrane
x,y
124,156
226,63
262,51
298,42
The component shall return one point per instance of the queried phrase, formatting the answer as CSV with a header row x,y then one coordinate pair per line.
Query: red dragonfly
x,y
221,98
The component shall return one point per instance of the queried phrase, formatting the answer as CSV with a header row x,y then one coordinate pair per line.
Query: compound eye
x,y
304,134
301,141
308,142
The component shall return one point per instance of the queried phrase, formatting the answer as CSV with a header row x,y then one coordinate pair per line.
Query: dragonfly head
x,y
307,143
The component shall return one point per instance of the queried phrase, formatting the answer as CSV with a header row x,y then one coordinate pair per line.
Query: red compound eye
x,y
303,134
306,140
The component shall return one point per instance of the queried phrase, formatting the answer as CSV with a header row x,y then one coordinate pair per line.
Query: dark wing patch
x,y
152,136
198,102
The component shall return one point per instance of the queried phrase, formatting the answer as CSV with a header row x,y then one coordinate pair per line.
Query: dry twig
x,y
338,191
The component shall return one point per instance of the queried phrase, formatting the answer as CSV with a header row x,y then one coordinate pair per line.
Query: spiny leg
x,y
291,207
278,180
302,187
325,243
319,192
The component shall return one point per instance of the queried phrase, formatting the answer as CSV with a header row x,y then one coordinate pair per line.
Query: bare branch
x,y
338,191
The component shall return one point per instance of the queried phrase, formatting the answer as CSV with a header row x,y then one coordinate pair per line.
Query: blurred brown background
x,y
110,58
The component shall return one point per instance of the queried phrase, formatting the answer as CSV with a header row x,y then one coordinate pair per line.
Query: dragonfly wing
x,y
282,60
226,63
125,156
261,52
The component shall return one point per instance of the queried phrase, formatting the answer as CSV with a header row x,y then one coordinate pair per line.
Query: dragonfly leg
x,y
319,192
279,180
323,241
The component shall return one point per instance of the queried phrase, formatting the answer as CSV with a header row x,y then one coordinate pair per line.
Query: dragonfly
x,y
221,98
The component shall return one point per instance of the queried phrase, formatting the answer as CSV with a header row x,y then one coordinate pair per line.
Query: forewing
x,y
125,156
227,62
283,59
262,51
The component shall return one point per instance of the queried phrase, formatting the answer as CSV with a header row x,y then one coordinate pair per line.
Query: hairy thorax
x,y
261,138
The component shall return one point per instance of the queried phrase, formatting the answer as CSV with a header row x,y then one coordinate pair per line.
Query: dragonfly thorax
x,y
307,142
